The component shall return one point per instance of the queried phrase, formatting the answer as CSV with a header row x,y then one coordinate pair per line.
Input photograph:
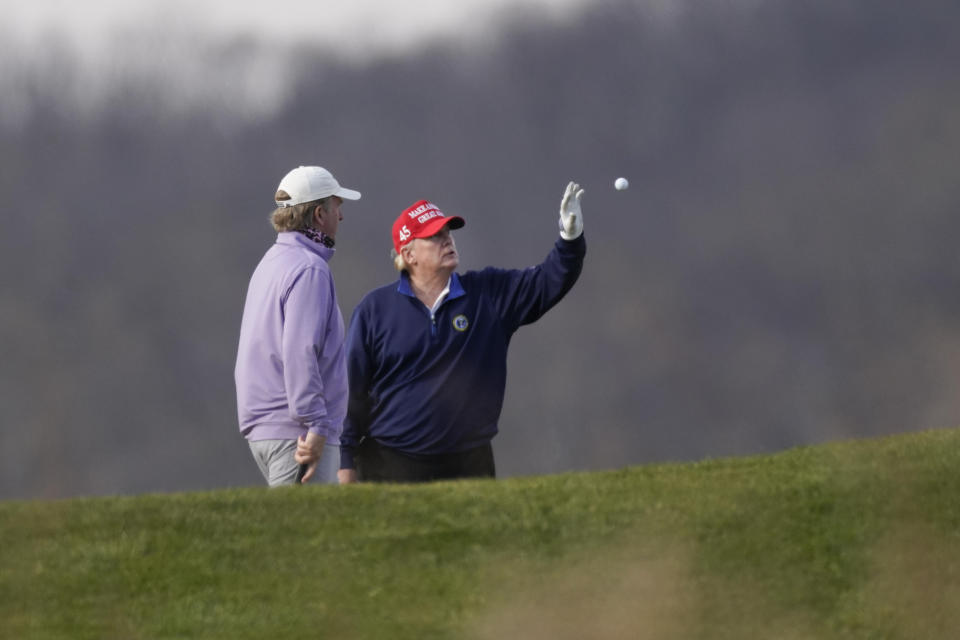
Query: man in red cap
x,y
427,356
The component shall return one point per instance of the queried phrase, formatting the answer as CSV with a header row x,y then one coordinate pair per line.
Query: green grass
x,y
857,539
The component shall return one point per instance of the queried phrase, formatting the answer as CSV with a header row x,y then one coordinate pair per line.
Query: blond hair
x,y
398,262
299,217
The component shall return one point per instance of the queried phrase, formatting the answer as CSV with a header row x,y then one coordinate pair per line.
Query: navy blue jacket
x,y
427,386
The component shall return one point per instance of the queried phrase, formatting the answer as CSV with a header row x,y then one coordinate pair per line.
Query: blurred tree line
x,y
782,270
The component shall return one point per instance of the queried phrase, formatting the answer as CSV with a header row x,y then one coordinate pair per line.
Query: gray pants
x,y
275,459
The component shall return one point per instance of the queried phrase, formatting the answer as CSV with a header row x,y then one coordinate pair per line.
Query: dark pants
x,y
376,463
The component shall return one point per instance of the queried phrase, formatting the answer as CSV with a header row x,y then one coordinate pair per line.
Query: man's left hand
x,y
308,452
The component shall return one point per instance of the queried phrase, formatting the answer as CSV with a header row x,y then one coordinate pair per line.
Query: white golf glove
x,y
571,218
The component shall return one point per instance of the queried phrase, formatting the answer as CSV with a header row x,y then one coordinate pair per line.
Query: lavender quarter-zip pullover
x,y
291,373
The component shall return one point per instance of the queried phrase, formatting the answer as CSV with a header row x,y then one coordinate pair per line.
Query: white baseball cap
x,y
305,184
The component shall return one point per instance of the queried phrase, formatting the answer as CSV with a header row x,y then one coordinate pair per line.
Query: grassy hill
x,y
856,539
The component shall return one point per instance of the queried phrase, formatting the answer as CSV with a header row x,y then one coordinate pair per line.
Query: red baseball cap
x,y
422,219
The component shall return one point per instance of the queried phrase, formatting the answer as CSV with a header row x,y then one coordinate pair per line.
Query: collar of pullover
x,y
456,289
295,238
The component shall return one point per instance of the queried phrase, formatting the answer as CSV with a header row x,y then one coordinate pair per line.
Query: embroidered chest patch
x,y
460,322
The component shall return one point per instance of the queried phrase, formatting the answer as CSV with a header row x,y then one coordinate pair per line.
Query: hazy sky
x,y
83,54
357,26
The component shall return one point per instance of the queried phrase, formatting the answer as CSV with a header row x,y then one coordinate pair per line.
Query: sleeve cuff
x,y
320,430
346,458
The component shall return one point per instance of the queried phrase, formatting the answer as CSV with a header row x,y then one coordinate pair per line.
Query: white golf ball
x,y
620,184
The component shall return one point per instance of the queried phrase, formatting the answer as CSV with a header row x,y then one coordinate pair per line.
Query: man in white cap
x,y
291,372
